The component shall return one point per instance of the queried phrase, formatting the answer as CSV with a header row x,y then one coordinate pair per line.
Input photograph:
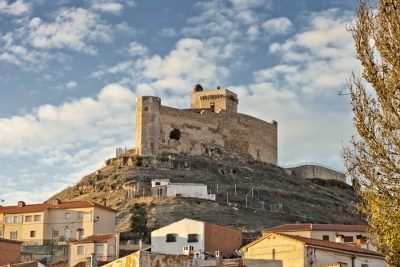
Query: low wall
x,y
316,171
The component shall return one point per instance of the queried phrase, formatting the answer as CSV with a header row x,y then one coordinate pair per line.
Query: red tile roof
x,y
95,238
41,207
333,245
318,227
322,244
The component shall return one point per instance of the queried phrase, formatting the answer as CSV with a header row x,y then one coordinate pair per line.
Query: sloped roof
x,y
42,207
318,227
320,243
10,241
95,238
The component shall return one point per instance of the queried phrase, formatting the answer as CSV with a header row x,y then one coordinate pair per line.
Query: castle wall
x,y
147,125
201,133
315,171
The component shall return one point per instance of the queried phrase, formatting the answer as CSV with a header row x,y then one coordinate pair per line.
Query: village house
x,y
99,248
278,250
57,222
195,237
151,259
163,188
350,234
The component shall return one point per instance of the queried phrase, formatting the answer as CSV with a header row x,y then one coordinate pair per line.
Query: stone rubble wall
x,y
315,171
227,132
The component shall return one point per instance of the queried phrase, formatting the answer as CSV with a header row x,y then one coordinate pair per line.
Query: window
x,y
99,249
55,234
67,215
146,108
112,250
192,238
80,214
171,238
158,183
32,234
38,218
28,218
348,239
18,219
325,237
81,250
13,235
9,219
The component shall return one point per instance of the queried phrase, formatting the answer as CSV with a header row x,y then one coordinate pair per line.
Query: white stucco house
x,y
163,188
195,237
341,233
278,250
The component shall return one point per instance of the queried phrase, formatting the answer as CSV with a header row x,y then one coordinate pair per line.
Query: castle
x,y
210,126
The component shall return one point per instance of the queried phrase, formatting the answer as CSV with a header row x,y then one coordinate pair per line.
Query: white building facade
x,y
163,188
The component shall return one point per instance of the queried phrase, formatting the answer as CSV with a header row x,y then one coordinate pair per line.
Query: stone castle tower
x,y
147,125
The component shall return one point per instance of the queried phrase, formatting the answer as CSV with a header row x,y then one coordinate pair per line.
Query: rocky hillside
x,y
304,200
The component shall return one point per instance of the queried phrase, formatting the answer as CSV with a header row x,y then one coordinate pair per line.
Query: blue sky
x,y
70,72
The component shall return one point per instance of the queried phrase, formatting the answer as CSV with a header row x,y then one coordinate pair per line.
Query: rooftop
x,y
318,227
320,243
95,238
41,207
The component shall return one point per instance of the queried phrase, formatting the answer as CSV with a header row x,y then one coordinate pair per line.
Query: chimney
x,y
218,258
103,202
21,204
339,238
359,240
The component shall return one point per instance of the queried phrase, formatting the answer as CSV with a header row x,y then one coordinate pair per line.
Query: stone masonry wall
x,y
222,98
315,171
206,132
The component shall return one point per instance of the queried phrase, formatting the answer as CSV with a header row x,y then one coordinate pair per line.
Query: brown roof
x,y
95,238
41,207
318,227
10,241
322,243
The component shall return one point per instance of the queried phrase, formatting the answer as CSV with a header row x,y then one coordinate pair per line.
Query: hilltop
x,y
303,200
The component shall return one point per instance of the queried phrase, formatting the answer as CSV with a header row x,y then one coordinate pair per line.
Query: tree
x,y
373,157
139,219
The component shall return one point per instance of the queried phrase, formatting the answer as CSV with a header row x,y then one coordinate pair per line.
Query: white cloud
x,y
246,4
81,120
17,8
168,32
72,28
104,6
137,49
277,26
71,85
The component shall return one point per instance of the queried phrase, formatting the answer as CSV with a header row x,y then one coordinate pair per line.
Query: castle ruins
x,y
210,125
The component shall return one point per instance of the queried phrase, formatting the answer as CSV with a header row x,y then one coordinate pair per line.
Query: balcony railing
x,y
57,241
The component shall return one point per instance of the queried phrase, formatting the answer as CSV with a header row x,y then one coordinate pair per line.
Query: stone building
x,y
211,126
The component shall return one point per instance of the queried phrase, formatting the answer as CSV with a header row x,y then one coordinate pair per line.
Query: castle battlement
x,y
211,124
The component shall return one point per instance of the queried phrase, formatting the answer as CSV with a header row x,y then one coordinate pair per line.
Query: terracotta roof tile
x,y
318,227
332,245
41,207
95,238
